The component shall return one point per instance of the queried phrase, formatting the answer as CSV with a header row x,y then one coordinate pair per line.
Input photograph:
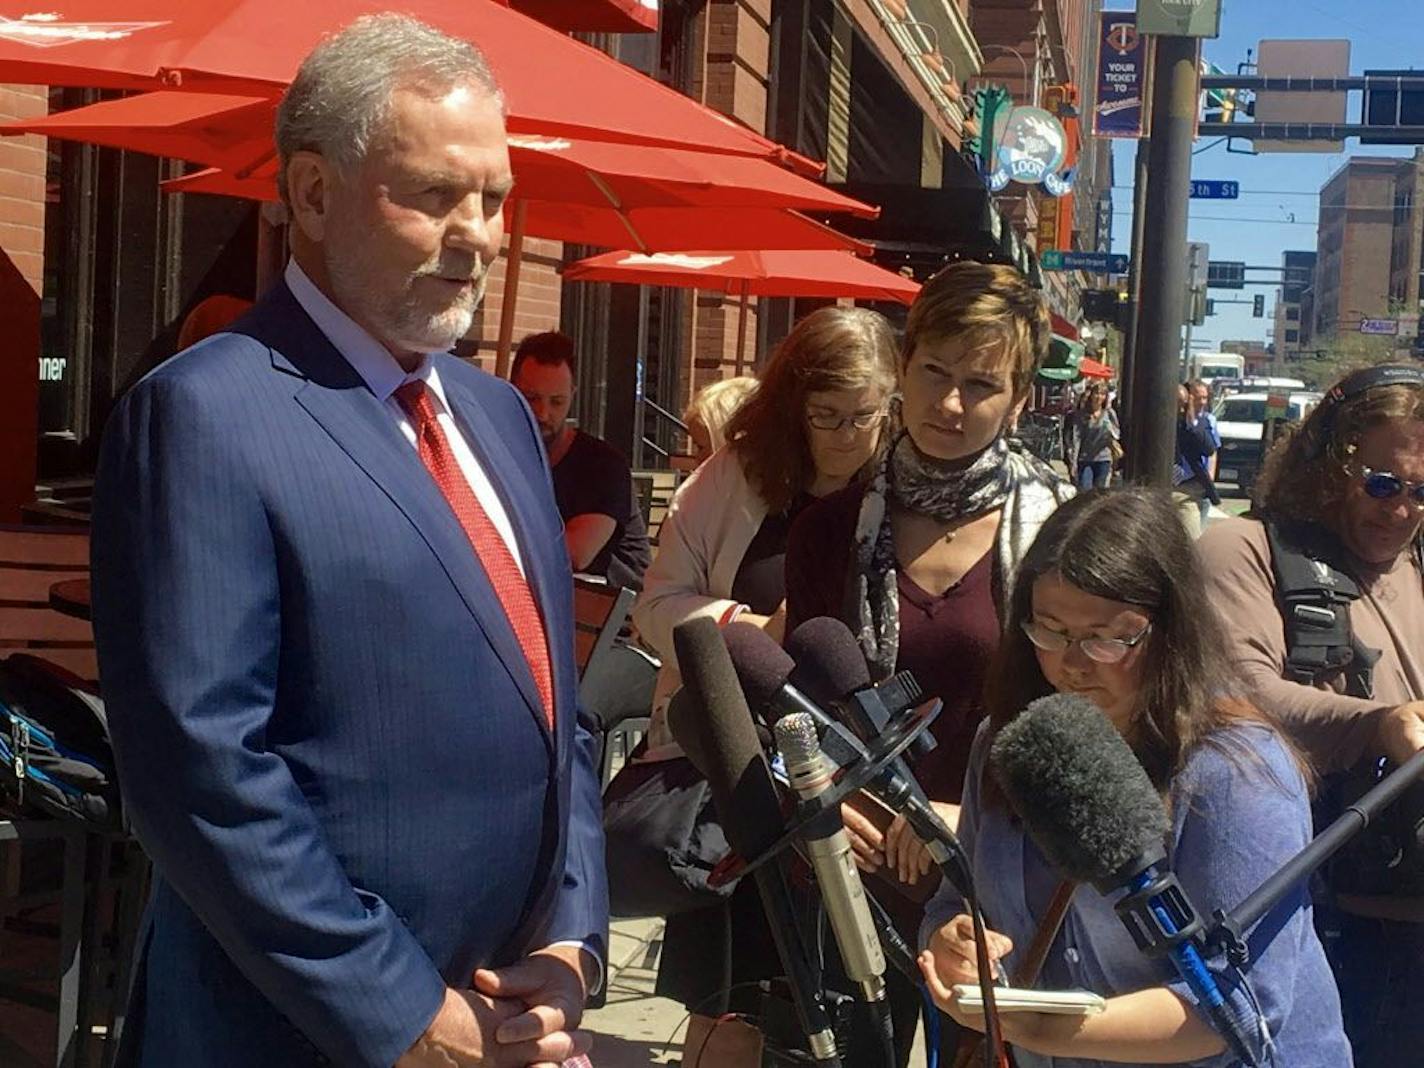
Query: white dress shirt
x,y
383,376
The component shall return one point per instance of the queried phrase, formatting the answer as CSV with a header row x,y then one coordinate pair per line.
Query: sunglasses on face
x,y
1385,485
1101,650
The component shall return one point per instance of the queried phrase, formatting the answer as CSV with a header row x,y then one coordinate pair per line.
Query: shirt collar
x,y
367,356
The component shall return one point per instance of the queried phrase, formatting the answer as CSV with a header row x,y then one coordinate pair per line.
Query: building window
x,y
1292,337
1292,315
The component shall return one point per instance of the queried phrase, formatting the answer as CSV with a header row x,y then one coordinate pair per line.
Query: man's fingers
x,y
551,1049
517,980
536,1023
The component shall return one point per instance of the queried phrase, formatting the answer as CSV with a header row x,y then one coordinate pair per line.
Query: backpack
x,y
54,744
1314,596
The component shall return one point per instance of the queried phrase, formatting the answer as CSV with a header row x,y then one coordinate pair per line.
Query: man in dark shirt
x,y
603,525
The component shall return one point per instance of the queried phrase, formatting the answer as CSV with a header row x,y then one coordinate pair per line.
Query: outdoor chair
x,y
615,676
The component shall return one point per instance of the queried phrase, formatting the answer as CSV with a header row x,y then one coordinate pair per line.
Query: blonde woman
x,y
711,410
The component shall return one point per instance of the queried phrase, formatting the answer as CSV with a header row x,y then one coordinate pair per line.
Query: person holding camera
x,y
1322,601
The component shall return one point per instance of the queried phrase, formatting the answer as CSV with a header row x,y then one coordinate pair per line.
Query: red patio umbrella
x,y
553,83
796,273
234,132
1091,368
589,192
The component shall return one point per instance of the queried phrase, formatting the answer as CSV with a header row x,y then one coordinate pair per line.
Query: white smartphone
x,y
1056,1002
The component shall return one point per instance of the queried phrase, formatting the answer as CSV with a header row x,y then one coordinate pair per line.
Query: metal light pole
x,y
1134,288
1163,273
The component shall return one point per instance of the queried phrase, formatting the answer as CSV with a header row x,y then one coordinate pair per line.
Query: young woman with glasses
x,y
1110,604
812,427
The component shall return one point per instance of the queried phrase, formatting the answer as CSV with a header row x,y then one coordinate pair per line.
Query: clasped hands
x,y
522,1016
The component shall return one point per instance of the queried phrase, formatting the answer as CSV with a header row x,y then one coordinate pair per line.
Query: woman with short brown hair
x,y
919,561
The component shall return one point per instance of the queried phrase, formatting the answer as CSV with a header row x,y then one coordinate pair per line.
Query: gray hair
x,y
339,102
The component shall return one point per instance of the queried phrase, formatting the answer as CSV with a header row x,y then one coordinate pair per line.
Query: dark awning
x,y
593,16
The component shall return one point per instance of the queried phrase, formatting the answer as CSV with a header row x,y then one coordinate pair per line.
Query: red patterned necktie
x,y
500,566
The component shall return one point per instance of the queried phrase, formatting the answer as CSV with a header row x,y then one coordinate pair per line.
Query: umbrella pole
x,y
510,295
742,331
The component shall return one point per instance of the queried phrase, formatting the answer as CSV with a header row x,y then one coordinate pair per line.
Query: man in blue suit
x,y
334,618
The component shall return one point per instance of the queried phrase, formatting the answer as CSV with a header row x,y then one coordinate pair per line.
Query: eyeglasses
x,y
1102,650
1385,486
830,421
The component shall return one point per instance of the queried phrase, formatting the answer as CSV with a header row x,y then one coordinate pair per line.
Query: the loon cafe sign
x,y
1030,145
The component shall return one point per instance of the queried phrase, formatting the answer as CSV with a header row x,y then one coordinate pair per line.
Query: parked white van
x,y
1240,420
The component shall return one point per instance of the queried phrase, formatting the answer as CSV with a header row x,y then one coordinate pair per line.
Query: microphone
x,y
1088,804
831,655
766,671
831,668
1229,929
715,730
829,852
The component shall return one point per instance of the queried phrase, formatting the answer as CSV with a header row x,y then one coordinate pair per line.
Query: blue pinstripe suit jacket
x,y
327,737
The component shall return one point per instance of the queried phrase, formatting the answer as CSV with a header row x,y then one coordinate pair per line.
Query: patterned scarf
x,y
944,490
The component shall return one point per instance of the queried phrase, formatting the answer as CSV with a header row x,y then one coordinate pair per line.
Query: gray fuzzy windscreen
x,y
1082,795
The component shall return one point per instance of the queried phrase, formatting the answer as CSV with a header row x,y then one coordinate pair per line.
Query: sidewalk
x,y
636,1028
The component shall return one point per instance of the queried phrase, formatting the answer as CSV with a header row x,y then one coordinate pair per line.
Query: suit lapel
x,y
335,396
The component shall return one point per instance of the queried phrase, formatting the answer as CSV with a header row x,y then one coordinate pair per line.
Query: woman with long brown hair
x,y
1110,604
812,427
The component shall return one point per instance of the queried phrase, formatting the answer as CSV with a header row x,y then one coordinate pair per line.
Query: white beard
x,y
402,319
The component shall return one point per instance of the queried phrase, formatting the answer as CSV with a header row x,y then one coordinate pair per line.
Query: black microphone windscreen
x,y
829,662
762,666
1084,798
718,726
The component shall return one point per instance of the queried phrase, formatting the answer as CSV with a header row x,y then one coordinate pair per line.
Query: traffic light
x,y
1099,305
1220,103
1392,107
1258,306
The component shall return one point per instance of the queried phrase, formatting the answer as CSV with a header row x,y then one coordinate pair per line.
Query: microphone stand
x,y
1228,931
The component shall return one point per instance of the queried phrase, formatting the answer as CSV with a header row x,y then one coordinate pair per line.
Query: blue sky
x,y
1384,34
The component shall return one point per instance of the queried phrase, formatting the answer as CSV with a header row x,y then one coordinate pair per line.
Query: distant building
x,y
1370,248
1292,328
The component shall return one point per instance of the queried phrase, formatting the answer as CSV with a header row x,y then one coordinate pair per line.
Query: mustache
x,y
469,267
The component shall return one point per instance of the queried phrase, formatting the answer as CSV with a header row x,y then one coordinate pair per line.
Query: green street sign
x,y
1179,18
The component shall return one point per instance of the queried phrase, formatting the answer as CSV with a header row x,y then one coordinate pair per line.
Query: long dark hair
x,y
1129,545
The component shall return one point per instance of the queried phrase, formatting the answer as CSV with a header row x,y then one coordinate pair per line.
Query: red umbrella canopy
x,y
759,274
234,132
553,84
592,192
1091,368
607,227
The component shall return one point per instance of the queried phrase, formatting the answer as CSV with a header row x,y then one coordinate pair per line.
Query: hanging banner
x,y
1122,77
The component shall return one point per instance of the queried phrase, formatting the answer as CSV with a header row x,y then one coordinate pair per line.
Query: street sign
x,y
1092,262
1179,18
1122,76
1213,189
1388,327
1198,259
1226,274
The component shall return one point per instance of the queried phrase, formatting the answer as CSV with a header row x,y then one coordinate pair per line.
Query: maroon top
x,y
947,640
